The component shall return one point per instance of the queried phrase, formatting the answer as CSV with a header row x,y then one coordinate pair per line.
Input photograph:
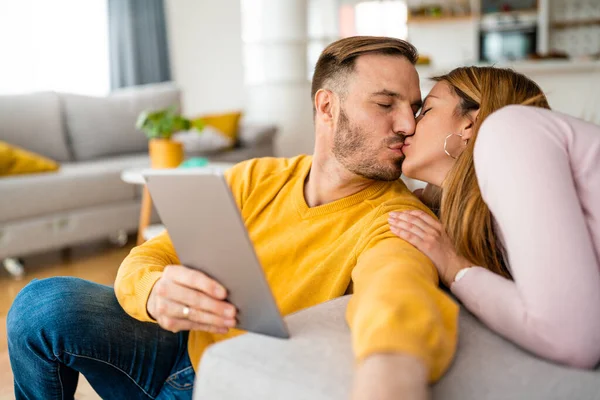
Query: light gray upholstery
x,y
69,228
317,363
75,185
34,122
105,126
489,367
255,134
254,141
314,364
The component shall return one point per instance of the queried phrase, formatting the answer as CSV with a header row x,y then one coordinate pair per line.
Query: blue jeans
x,y
59,327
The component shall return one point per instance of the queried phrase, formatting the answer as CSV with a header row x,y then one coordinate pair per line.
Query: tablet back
x,y
208,233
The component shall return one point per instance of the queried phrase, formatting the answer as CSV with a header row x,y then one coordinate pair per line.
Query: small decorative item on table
x,y
194,162
159,127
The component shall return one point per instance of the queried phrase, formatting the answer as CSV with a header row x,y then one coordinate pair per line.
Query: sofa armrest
x,y
489,367
315,363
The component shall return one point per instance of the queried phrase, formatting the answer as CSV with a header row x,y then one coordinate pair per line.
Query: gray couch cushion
x,y
54,231
489,367
253,134
34,122
74,186
314,364
105,126
317,363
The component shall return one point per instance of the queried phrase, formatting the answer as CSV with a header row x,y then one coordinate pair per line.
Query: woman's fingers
x,y
418,229
407,235
407,226
412,222
428,219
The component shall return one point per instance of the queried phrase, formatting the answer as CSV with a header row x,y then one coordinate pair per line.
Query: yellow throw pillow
x,y
14,161
227,123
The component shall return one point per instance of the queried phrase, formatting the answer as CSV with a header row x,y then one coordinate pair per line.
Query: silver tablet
x,y
208,233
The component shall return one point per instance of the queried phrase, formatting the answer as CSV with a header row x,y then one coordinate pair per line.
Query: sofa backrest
x,y
34,122
105,126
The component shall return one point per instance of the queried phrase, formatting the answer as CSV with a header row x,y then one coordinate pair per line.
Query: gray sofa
x,y
317,364
94,139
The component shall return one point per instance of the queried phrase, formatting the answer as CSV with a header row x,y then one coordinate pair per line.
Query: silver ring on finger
x,y
186,312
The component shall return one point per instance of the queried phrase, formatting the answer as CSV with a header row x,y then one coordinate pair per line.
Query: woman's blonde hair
x,y
464,214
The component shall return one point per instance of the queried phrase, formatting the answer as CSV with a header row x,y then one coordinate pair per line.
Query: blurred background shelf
x,y
511,13
575,23
431,19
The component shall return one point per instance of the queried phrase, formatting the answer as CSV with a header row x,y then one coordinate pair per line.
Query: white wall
x,y
571,88
447,43
573,92
205,44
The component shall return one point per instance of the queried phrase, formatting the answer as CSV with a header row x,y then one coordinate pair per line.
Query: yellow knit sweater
x,y
311,255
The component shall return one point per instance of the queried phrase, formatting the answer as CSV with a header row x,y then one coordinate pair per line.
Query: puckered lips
x,y
405,146
397,148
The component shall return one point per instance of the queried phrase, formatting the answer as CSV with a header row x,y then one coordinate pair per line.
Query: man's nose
x,y
404,123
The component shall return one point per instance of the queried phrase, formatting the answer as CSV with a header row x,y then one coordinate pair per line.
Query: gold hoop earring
x,y
446,144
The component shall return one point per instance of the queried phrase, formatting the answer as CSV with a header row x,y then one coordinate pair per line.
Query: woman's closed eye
x,y
384,105
423,112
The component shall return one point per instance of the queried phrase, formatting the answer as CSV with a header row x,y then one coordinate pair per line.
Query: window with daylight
x,y
372,18
267,41
377,18
59,45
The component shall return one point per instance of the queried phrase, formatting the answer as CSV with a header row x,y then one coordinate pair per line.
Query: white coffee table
x,y
135,177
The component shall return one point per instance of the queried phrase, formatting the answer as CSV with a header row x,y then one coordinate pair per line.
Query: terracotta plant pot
x,y
165,153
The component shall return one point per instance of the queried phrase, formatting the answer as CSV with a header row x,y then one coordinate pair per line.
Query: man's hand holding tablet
x,y
185,299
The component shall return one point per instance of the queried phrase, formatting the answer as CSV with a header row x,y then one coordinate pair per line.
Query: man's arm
x,y
397,307
390,376
140,271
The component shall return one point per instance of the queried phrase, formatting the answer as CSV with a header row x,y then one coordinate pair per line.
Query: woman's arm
x,y
538,172
558,324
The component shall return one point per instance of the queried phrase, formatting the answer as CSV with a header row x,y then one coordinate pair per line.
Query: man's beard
x,y
352,148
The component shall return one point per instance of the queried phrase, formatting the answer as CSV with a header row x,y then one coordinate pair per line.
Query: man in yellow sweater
x,y
320,228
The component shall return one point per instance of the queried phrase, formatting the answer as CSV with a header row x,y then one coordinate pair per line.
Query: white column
x,y
543,33
205,45
276,80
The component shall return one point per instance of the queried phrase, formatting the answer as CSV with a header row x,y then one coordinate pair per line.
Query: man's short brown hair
x,y
338,59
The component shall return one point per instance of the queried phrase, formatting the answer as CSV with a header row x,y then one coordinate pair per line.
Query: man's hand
x,y
180,291
390,376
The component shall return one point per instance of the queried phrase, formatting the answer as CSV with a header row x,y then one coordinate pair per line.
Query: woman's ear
x,y
469,124
324,105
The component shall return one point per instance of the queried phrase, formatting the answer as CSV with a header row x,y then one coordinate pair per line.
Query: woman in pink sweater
x,y
519,205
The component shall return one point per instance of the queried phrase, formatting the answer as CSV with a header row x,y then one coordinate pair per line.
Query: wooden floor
x,y
97,263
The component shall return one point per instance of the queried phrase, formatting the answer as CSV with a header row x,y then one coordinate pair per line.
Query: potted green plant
x,y
159,126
